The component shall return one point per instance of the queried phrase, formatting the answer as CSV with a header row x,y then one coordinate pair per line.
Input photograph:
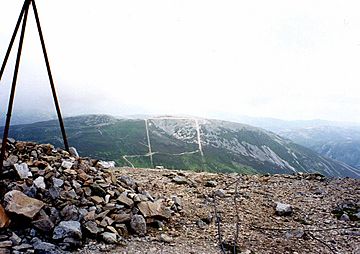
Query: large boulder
x,y
19,203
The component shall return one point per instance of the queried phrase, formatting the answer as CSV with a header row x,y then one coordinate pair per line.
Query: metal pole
x,y
12,93
12,41
58,111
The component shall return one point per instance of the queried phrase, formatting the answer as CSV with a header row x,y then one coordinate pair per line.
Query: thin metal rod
x,y
12,41
58,111
13,86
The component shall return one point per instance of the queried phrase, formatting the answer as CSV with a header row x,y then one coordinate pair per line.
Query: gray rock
x,y
70,212
319,191
73,152
138,224
11,140
43,222
147,194
57,182
109,237
12,160
180,180
16,240
166,238
106,164
34,154
201,224
44,247
71,194
92,228
22,247
82,213
54,193
68,229
71,242
351,232
39,183
107,198
67,164
54,215
211,183
22,170
299,233
283,209
6,244
177,200
76,184
345,217
220,193
128,181
30,191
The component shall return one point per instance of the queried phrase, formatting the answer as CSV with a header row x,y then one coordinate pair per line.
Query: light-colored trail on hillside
x,y
197,126
124,157
148,141
151,153
179,154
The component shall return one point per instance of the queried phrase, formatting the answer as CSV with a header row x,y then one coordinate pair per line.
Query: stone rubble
x,y
55,202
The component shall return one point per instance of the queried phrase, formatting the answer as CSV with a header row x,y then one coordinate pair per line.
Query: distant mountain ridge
x,y
335,140
183,143
339,143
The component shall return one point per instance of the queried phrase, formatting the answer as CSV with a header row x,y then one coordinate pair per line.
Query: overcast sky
x,y
284,59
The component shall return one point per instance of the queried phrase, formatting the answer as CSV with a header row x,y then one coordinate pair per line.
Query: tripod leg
x,y
13,86
57,106
12,40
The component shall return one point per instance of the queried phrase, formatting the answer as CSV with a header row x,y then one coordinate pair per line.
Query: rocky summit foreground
x,y
53,202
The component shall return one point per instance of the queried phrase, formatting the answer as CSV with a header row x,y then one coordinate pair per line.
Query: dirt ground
x,y
311,228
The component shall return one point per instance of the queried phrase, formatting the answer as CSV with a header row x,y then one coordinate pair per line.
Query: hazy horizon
x,y
278,59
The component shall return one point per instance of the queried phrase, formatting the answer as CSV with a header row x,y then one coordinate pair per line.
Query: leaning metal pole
x,y
57,106
13,86
12,40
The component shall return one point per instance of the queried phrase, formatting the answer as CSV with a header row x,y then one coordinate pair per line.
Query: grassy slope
x,y
107,138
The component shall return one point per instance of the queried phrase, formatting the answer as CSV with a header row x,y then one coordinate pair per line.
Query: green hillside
x,y
174,143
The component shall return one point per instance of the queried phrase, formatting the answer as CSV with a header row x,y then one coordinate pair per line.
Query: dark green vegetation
x,y
225,146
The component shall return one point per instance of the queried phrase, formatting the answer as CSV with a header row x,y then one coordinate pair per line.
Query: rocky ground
x,y
323,216
55,202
